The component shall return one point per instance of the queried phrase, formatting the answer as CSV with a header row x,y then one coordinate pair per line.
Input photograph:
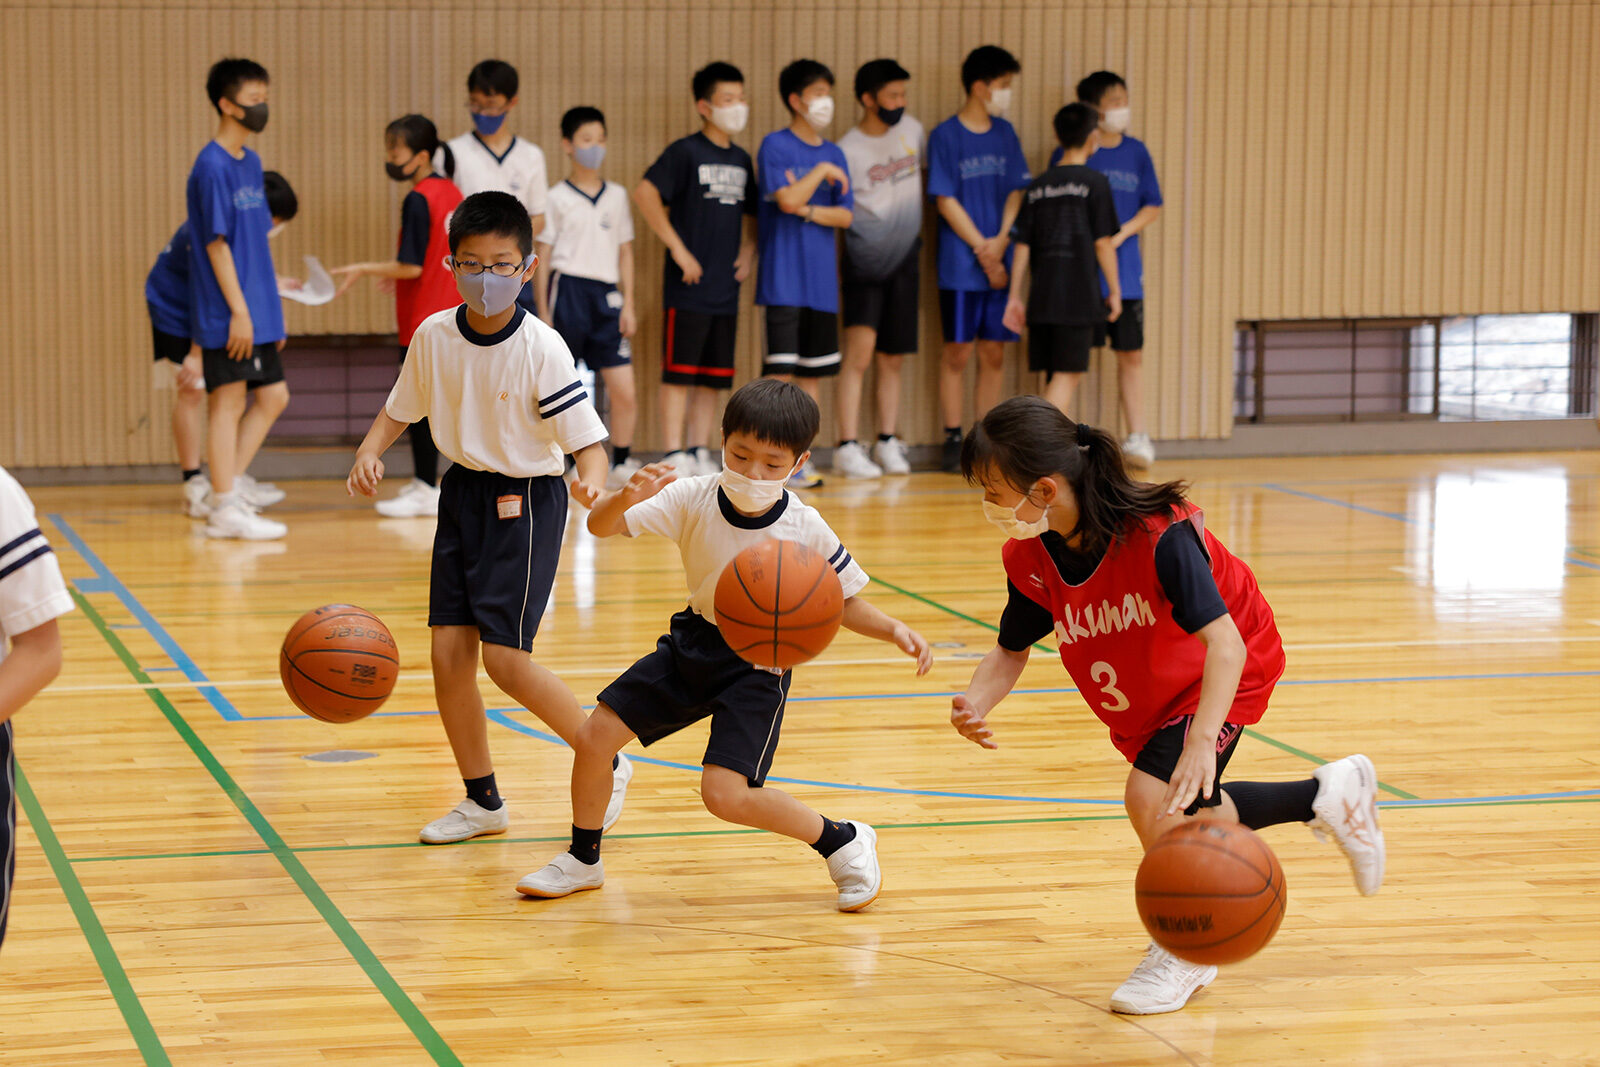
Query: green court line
x,y
1050,651
385,983
144,1034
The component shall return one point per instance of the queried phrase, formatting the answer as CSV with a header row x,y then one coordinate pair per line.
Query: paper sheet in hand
x,y
318,286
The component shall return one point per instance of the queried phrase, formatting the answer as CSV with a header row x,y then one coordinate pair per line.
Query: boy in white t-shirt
x,y
767,430
32,597
584,286
490,158
505,405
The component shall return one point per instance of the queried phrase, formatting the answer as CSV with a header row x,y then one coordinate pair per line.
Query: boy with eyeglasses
x,y
505,405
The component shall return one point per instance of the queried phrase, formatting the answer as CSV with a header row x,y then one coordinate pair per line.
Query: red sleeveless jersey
x,y
1135,666
434,289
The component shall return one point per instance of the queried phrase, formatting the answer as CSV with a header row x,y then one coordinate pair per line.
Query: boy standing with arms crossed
x,y
505,404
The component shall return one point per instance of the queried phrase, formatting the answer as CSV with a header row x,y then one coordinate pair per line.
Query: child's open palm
x,y
970,722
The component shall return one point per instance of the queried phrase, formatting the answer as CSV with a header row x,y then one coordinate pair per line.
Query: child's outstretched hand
x,y
914,645
969,723
585,494
364,476
647,481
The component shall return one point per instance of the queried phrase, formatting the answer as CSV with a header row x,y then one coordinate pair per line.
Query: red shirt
x,y
434,289
1133,663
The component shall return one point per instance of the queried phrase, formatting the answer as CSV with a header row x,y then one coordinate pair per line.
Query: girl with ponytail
x,y
1165,634
421,283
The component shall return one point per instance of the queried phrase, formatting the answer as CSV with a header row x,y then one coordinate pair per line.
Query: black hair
x,y
1026,438
773,412
708,77
493,77
419,134
799,76
1092,88
498,213
1074,124
227,76
579,117
986,63
875,74
282,204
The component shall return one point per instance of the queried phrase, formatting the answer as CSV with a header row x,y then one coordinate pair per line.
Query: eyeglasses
x,y
471,267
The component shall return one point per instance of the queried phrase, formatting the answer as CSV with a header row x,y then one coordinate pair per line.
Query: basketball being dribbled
x,y
338,663
1211,892
779,604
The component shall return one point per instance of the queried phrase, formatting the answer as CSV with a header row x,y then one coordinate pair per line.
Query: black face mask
x,y
255,116
891,116
397,171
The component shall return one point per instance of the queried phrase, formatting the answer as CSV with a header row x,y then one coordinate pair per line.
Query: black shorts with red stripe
x,y
699,349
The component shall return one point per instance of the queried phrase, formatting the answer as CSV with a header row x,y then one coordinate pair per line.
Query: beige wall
x,y
1318,159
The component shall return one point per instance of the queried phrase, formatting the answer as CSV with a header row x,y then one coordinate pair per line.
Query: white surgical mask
x,y
753,495
820,112
1116,119
999,101
731,119
1014,527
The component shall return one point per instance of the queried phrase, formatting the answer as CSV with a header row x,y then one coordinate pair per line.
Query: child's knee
x,y
956,356
992,355
726,795
273,398
501,662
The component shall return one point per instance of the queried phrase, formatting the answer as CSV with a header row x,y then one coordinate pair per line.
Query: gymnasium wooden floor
x,y
194,887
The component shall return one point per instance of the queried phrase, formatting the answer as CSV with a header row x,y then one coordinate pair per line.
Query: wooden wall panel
x,y
1317,158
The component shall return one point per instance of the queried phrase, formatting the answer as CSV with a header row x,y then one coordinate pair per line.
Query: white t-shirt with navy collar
x,y
520,171
509,402
586,233
696,514
31,589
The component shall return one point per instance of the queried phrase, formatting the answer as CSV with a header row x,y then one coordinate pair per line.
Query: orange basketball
x,y
338,663
1211,892
779,604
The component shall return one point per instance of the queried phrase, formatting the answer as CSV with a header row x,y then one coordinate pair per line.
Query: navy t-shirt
x,y
166,289
1064,211
980,170
799,259
708,190
226,199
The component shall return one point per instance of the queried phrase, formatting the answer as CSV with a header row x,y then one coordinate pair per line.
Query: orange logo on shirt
x,y
505,396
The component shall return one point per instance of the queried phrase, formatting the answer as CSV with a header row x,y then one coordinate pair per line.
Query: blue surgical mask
x,y
489,294
488,125
590,155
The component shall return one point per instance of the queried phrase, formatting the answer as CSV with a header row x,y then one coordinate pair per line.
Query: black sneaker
x,y
950,460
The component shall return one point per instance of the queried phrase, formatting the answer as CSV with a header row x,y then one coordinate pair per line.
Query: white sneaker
x,y
851,460
416,500
1161,983
854,869
806,477
1347,808
621,775
196,497
1137,451
257,494
706,463
466,820
891,456
563,876
682,463
232,519
619,475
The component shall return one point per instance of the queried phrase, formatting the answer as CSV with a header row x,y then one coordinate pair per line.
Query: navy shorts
x,y
1127,333
698,349
495,553
693,674
168,346
263,366
973,315
1159,756
1057,349
8,824
588,315
888,305
803,342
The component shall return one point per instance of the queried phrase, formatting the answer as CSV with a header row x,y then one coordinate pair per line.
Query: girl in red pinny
x,y
1165,634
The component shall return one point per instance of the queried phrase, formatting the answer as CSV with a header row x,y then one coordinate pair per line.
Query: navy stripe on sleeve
x,y
834,559
17,542
558,394
580,398
842,564
10,568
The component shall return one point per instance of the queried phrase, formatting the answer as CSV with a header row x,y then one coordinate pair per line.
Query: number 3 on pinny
x,y
1106,677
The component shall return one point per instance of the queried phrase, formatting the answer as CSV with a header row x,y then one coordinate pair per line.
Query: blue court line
x,y
1396,516
1510,798
106,582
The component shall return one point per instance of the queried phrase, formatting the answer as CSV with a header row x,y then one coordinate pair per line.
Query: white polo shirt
x,y
519,172
586,234
31,589
509,402
696,514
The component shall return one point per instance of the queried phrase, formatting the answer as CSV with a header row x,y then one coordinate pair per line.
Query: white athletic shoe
x,y
806,477
1137,451
851,460
417,499
854,869
891,456
619,475
1161,983
705,462
257,494
196,497
563,876
1347,808
621,775
232,519
466,820
682,463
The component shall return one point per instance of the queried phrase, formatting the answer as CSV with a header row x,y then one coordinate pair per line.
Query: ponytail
x,y
1026,438
419,134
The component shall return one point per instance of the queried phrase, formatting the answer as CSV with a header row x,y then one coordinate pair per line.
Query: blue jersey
x,y
799,264
1132,174
166,289
980,170
226,199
